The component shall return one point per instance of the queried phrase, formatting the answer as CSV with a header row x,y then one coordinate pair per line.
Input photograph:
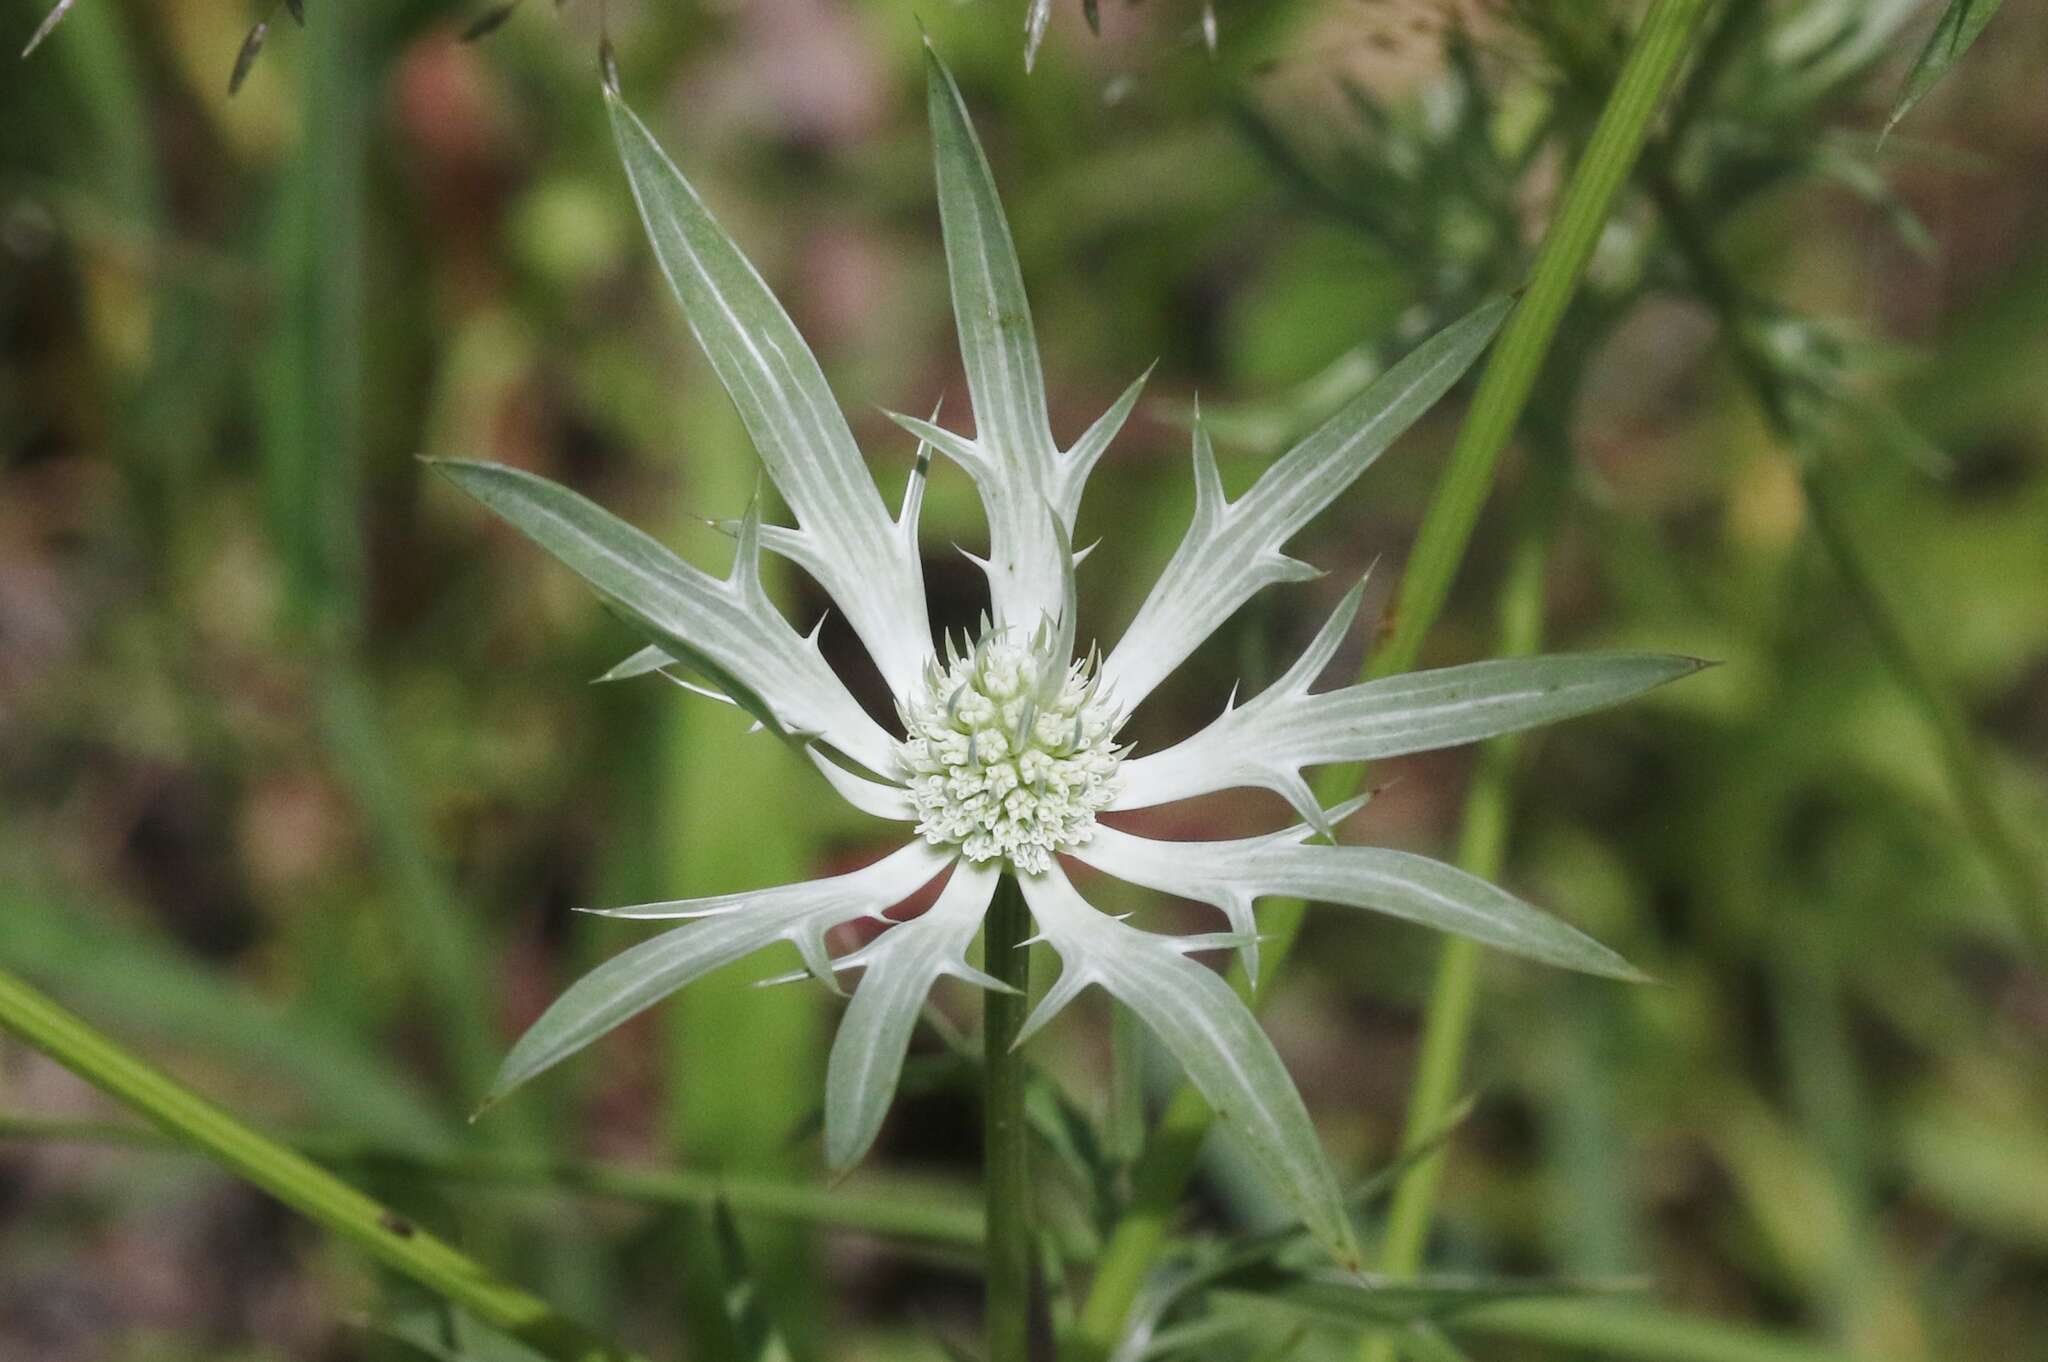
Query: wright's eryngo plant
x,y
1009,745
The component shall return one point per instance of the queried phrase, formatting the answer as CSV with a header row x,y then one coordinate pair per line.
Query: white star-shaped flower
x,y
1008,748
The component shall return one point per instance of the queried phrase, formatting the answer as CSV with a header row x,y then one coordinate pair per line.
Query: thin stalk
x,y
1482,848
386,1236
907,1209
1008,1173
1640,1333
2021,879
1647,73
1168,1160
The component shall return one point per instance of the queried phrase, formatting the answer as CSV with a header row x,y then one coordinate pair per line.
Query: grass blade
x,y
919,1210
1958,28
386,1236
129,976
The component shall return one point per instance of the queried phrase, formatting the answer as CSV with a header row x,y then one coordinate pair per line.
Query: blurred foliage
x,y
301,777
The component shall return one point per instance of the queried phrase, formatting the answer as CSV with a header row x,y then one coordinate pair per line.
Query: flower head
x,y
1008,749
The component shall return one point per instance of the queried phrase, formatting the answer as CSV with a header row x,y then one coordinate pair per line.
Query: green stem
x,y
2021,878
2022,881
1640,1333
1482,848
1168,1160
1008,1171
1649,70
389,1238
910,1209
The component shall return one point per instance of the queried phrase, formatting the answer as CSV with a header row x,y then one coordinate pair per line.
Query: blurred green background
x,y
301,776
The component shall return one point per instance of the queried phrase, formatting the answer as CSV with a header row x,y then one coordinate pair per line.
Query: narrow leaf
x,y
252,48
1958,28
141,983
1323,1297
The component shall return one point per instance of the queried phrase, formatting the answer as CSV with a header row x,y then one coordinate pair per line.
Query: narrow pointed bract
x,y
1213,1034
1009,736
898,968
727,630
725,930
1231,875
1271,738
1233,551
1018,463
788,409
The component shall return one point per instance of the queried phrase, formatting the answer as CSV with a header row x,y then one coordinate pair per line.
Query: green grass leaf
x,y
1959,27
392,1239
144,984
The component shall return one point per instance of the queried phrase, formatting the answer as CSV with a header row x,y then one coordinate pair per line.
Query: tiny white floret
x,y
1010,750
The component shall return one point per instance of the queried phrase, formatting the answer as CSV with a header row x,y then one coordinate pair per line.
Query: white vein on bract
x,y
1269,741
1014,459
726,629
1017,467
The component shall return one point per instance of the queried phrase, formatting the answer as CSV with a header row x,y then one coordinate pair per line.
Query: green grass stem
x,y
915,1210
389,1238
1589,1328
1482,849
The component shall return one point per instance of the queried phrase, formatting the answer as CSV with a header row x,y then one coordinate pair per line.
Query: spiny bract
x,y
1008,750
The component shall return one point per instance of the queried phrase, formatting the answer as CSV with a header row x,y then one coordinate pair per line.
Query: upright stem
x,y
2017,871
2019,875
1482,847
1008,1173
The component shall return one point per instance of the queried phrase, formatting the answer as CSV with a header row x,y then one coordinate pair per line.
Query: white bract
x,y
1008,744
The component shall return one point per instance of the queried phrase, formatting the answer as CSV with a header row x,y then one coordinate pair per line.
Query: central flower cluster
x,y
1010,751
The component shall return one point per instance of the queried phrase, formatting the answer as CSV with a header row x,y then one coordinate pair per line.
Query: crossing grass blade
x,y
390,1238
1960,25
